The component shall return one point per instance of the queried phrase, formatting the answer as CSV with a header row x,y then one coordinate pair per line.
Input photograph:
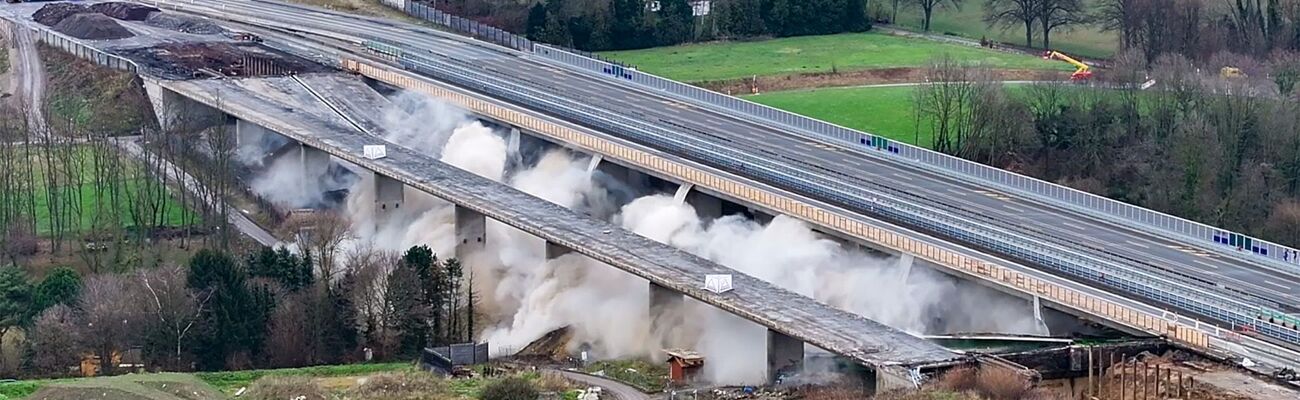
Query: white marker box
x,y
375,152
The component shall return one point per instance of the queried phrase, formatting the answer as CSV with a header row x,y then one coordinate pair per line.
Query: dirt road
x,y
28,79
609,388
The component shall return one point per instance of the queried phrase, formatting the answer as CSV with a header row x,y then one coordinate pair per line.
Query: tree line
x,y
596,25
1221,151
267,308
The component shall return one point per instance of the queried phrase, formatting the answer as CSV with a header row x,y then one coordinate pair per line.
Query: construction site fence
x,y
83,51
1226,242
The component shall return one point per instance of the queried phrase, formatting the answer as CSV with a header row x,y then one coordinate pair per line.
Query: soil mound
x,y
124,11
92,26
186,24
54,13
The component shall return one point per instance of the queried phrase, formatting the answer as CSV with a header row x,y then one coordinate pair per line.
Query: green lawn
x,y
131,183
1085,40
885,111
787,56
645,376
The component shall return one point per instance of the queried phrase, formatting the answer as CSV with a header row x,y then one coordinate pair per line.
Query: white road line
x,y
1205,264
1076,227
956,192
1281,286
905,177
1138,244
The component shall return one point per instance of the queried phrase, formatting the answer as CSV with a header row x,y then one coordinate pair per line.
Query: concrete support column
x,y
554,251
389,195
594,164
177,113
662,299
313,163
905,263
1038,317
784,354
706,207
471,232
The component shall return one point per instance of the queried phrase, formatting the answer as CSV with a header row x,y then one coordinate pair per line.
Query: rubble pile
x,y
92,26
54,13
124,11
181,23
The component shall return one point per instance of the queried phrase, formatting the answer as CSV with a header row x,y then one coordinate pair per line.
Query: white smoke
x,y
526,296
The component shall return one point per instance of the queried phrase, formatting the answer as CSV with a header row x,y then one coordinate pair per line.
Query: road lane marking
x,y
1138,244
1206,264
1281,286
905,177
956,192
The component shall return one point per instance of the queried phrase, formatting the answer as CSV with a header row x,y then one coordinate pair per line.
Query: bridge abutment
x,y
784,354
177,113
471,232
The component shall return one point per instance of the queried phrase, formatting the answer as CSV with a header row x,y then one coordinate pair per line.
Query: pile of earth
x,y
52,14
92,26
181,23
124,11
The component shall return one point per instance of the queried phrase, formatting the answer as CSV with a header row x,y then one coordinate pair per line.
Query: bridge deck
x,y
860,339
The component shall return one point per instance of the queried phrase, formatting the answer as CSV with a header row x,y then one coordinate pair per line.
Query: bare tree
x,y
928,6
111,315
944,106
1053,14
321,233
174,310
1006,13
54,342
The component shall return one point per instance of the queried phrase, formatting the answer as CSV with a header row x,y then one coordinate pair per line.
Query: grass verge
x,y
228,382
812,54
645,376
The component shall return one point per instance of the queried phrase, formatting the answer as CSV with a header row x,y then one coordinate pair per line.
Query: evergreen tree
x,y
282,266
675,23
61,286
406,315
15,299
536,22
235,321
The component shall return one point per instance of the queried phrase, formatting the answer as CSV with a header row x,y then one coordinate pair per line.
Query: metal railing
x,y
1279,256
462,25
83,51
881,204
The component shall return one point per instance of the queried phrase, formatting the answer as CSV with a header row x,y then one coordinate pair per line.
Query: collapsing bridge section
x,y
791,319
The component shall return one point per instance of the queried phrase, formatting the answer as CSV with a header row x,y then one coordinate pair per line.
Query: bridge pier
x,y
312,163
389,195
784,354
471,232
706,207
662,299
554,251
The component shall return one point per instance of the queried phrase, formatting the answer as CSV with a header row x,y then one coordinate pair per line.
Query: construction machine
x,y
1082,71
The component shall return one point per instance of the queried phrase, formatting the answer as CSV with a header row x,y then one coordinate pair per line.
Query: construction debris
x,y
124,11
52,14
182,23
92,26
218,60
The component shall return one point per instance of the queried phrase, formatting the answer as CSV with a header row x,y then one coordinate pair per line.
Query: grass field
x,y
229,382
809,54
131,183
1085,40
885,111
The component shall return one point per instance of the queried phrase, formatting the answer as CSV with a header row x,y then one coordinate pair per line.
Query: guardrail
x,y
461,25
880,204
1111,210
1181,329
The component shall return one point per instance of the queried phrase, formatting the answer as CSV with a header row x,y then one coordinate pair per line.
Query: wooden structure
x,y
683,365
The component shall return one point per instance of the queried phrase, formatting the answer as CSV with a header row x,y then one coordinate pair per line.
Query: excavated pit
x,y
218,60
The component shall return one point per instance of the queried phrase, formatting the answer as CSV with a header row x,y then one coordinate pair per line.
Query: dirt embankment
x,y
82,22
856,78
91,98
124,11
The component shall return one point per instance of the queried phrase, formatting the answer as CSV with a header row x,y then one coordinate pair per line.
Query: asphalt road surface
x,y
618,390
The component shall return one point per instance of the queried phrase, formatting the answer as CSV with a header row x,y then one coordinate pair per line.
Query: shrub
x,y
959,379
1001,384
512,388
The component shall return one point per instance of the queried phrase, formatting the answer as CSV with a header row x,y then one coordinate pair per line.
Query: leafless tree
x,y
928,6
1054,14
321,233
55,346
1007,13
111,313
944,106
173,309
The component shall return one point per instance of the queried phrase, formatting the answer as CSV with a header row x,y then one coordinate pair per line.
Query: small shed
x,y
683,365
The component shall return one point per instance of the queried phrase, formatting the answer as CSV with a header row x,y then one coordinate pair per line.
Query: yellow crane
x,y
1082,71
